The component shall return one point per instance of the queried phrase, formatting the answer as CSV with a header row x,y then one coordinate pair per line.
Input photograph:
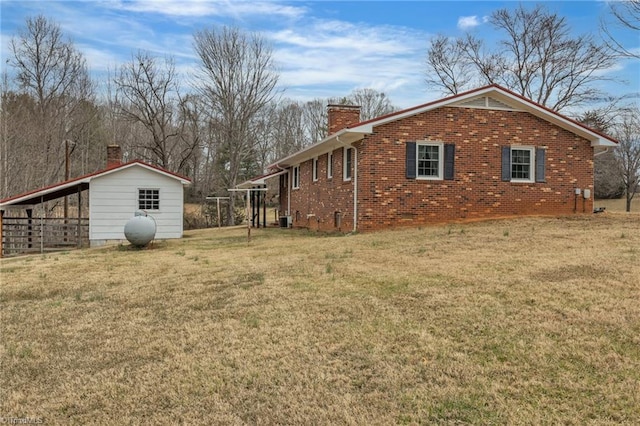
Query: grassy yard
x,y
531,320
620,204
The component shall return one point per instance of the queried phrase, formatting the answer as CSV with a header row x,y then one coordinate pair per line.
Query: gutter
x,y
595,154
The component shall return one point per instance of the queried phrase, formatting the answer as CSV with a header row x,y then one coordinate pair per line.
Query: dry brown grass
x,y
620,204
513,321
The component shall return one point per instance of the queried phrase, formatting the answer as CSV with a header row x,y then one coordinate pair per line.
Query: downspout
x,y
355,182
595,154
289,183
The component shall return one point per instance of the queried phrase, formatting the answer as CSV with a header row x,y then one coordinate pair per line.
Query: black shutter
x,y
449,160
411,160
506,163
540,164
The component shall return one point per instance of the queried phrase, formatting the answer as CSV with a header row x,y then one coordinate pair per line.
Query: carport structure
x,y
21,232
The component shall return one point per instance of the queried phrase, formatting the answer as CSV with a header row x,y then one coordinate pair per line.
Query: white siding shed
x,y
115,196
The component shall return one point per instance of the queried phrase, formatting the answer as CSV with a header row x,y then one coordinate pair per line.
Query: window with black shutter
x,y
523,164
430,161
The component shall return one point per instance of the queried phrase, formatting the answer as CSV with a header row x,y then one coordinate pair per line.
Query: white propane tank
x,y
140,229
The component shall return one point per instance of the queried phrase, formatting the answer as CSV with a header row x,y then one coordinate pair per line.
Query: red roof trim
x,y
91,175
479,89
549,110
437,101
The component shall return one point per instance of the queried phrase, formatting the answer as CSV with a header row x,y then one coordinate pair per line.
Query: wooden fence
x,y
24,235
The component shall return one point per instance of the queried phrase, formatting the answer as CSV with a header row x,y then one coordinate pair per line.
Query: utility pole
x,y
66,178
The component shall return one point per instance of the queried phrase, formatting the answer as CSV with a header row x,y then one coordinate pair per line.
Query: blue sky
x,y
322,48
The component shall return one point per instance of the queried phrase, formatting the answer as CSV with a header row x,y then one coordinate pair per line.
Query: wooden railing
x,y
21,235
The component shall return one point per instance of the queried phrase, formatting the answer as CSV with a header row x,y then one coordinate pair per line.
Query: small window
x,y
522,164
149,199
329,165
347,163
315,169
429,164
295,181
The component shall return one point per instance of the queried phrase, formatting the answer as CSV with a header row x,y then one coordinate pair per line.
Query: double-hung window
x,y
523,164
315,169
429,161
295,181
148,199
347,163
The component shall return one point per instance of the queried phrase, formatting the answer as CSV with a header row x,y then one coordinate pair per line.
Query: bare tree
x,y
236,78
372,103
49,70
624,15
607,181
147,90
291,132
628,152
538,58
315,119
449,67
191,144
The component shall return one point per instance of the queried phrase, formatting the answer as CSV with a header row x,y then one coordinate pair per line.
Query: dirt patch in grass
x,y
514,321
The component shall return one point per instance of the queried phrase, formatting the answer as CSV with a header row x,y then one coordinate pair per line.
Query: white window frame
x,y
151,200
329,165
346,169
440,146
532,163
295,177
314,169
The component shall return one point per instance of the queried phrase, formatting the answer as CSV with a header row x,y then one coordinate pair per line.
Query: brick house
x,y
484,153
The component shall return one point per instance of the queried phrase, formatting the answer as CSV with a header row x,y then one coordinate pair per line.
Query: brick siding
x,y
387,198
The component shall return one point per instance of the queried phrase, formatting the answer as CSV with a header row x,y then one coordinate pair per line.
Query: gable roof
x,y
71,186
501,99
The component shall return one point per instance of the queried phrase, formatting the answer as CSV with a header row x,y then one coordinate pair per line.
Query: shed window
x,y
149,199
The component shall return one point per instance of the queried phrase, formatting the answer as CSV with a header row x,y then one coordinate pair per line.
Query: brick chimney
x,y
114,156
342,116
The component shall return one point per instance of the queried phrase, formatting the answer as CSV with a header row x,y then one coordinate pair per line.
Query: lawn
x,y
619,204
533,320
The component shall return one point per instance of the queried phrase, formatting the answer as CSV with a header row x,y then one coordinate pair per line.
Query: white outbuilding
x,y
115,194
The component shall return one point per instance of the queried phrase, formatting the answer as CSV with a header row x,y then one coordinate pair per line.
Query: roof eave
x,y
183,180
342,138
61,187
603,142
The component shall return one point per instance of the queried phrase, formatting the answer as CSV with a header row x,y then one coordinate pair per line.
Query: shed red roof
x,y
70,186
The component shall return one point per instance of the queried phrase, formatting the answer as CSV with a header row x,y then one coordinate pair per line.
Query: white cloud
x,y
316,57
468,22
342,56
199,8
